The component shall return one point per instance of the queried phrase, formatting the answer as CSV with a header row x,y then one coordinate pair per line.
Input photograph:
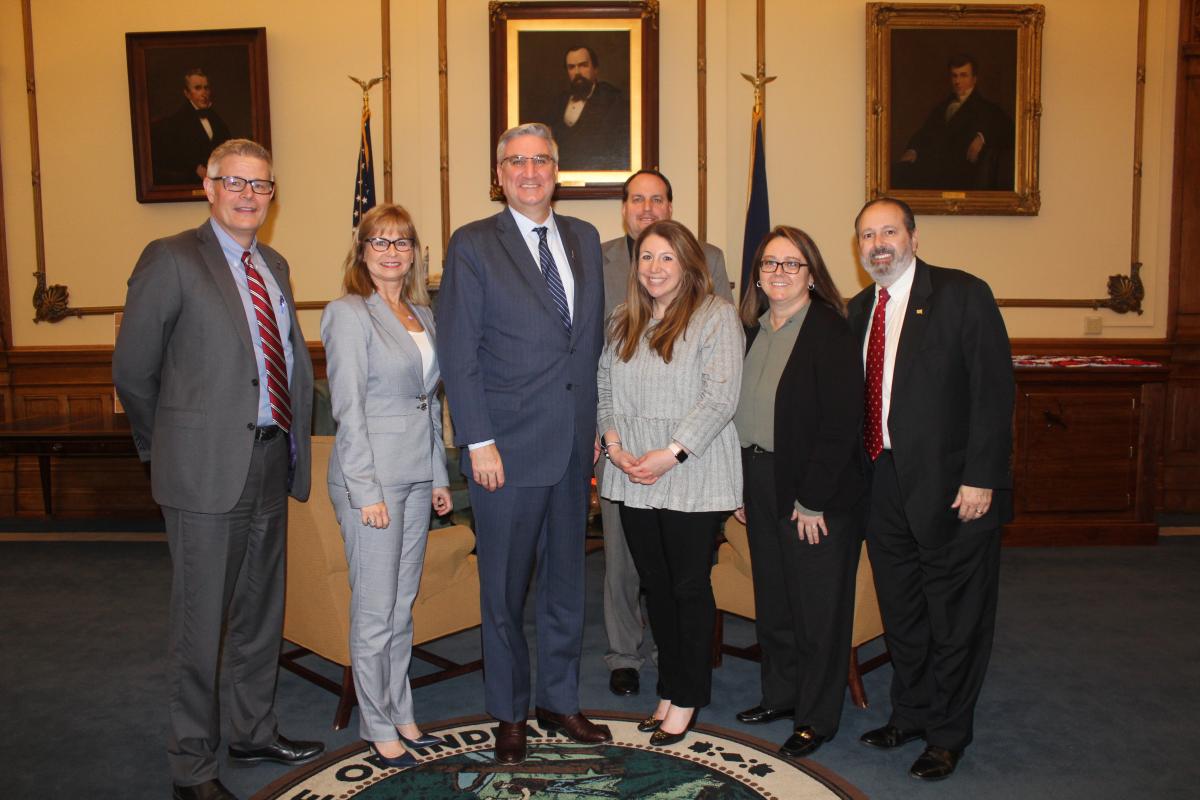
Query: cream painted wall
x,y
815,142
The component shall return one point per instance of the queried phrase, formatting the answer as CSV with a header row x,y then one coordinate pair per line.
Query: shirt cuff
x,y
478,445
806,511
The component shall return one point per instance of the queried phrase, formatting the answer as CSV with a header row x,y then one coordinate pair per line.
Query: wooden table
x,y
45,437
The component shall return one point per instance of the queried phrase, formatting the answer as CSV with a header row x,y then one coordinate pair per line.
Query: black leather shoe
x,y
935,764
510,742
890,736
575,727
422,741
624,682
649,724
758,714
661,738
209,790
402,761
282,751
804,742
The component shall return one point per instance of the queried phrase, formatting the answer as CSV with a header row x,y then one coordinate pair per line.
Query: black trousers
x,y
939,613
803,601
673,553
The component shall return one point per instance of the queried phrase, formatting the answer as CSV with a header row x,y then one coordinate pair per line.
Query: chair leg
x,y
718,638
857,693
347,700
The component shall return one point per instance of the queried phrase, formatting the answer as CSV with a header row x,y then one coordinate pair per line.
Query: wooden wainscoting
x,y
75,382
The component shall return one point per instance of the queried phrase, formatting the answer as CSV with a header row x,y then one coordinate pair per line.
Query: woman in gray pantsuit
x,y
388,464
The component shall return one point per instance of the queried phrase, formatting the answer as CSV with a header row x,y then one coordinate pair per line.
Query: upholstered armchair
x,y
733,588
317,614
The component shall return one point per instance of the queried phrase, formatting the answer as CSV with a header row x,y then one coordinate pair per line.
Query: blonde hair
x,y
357,279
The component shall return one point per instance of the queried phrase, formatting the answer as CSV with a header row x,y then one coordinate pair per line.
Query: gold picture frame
x,y
954,106
530,83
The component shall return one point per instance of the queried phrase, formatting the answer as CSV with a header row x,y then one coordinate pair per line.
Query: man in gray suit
x,y
645,198
213,372
520,328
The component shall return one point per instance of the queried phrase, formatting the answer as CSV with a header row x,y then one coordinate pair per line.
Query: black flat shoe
x,y
661,738
890,736
758,714
624,681
649,724
803,742
282,751
402,761
935,764
422,741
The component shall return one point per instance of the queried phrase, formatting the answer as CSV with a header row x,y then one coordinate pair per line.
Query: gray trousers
x,y
623,619
227,570
385,573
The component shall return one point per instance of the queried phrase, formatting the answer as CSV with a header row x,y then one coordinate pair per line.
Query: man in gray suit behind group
x,y
646,198
213,372
520,328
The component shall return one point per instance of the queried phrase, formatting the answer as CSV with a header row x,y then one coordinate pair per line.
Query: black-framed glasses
x,y
233,183
381,245
540,161
790,266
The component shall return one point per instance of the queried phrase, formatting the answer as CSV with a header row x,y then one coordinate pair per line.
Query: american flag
x,y
364,180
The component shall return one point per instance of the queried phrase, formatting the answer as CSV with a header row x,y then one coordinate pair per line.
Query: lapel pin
x,y
920,312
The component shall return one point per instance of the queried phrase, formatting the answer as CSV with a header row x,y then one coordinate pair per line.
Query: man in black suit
x,y
590,121
938,427
965,143
181,143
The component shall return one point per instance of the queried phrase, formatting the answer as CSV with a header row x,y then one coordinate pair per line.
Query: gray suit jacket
x,y
185,371
389,418
511,371
616,272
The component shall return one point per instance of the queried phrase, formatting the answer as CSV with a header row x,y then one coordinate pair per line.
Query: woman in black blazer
x,y
800,421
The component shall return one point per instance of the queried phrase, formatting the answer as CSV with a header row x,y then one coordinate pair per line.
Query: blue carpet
x,y
1091,692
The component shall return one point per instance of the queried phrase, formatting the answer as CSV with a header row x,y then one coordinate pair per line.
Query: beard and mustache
x,y
581,87
888,271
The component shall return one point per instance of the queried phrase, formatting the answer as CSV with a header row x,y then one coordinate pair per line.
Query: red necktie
x,y
873,423
272,347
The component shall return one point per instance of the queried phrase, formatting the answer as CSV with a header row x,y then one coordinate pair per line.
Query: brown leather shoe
x,y
575,726
510,742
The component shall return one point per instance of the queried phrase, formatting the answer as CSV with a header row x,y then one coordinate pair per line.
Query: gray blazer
x,y
617,264
185,371
512,372
389,418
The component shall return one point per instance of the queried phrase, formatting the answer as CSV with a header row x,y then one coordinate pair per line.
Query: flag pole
x,y
757,202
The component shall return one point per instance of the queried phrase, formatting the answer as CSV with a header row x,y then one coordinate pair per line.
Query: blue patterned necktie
x,y
553,280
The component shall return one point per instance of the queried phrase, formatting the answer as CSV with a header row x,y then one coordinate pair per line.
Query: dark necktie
x,y
553,279
272,347
873,423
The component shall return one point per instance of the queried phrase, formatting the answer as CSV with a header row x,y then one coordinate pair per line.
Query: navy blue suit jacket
x,y
511,371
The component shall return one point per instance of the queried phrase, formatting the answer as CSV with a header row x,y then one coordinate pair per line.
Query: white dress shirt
x,y
557,251
893,323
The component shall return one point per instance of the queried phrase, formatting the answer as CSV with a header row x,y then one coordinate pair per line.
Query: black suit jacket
x,y
179,144
950,420
819,458
941,145
599,139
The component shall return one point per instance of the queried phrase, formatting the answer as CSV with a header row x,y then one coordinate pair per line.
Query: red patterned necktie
x,y
873,423
272,346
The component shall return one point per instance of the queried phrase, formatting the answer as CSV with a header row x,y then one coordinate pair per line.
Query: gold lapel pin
x,y
920,312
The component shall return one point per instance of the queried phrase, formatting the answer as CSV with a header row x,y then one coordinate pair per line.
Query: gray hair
x,y
527,129
239,147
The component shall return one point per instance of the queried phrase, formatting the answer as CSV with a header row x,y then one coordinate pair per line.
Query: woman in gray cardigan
x,y
388,466
668,386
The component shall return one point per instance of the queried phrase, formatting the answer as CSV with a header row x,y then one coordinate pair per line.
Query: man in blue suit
x,y
520,327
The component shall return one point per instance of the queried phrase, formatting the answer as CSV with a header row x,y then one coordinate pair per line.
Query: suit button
x,y
569,385
423,406
249,426
422,397
254,382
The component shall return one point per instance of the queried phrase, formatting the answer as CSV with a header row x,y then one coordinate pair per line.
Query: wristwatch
x,y
681,453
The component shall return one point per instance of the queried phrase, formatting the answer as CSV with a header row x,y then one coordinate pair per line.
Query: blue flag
x,y
364,180
758,213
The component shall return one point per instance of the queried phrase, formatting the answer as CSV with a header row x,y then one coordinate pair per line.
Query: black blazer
x,y
819,457
950,421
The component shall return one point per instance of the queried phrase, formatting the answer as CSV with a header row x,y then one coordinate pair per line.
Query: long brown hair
x,y
754,299
357,280
631,320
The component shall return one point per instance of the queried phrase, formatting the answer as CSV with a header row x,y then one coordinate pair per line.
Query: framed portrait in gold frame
x,y
590,72
954,106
